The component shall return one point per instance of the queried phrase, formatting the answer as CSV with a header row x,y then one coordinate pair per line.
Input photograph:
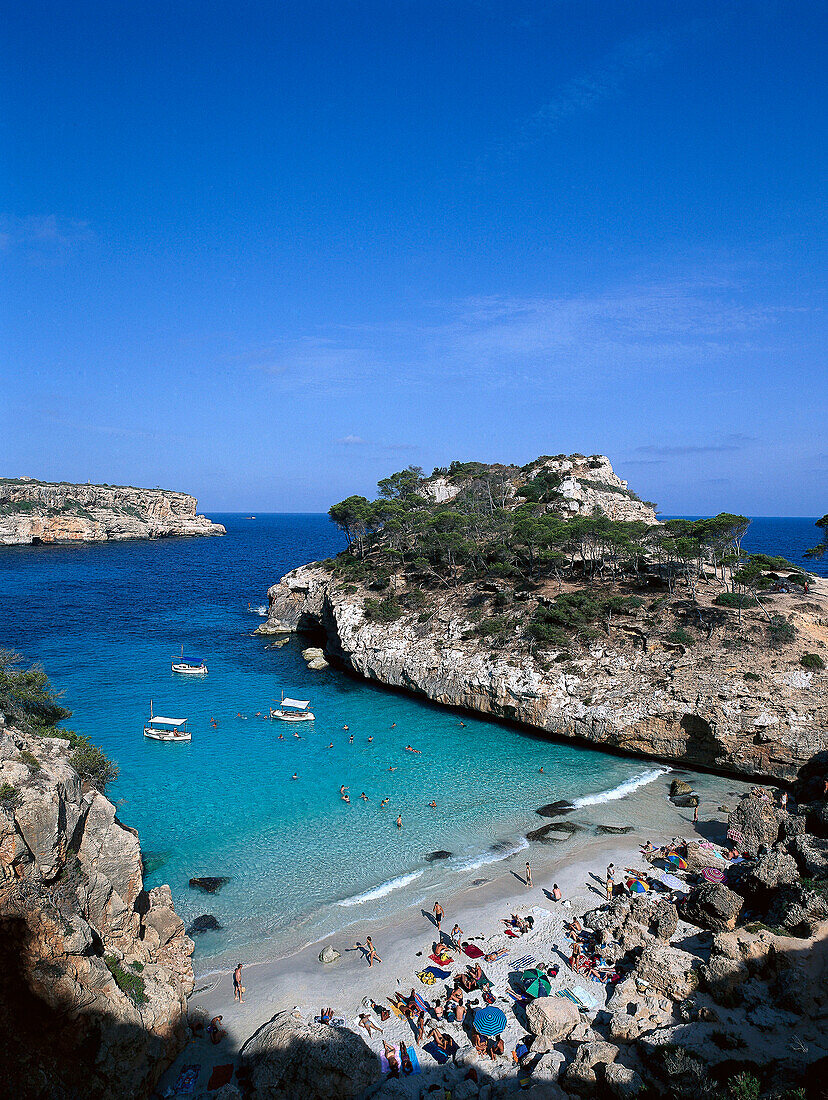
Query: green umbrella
x,y
535,983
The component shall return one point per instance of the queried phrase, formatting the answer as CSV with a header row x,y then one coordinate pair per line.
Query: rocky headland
x,y
94,969
619,633
33,512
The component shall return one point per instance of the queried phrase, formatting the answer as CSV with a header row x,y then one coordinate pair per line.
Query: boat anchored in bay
x,y
194,666
292,710
166,729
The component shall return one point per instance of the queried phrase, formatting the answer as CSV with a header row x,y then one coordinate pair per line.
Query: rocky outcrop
x,y
45,512
95,969
625,692
288,1058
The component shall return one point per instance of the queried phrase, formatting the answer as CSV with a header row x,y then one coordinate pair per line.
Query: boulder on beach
x,y
329,954
546,833
555,809
612,830
754,823
554,1018
205,923
712,906
679,787
209,884
288,1058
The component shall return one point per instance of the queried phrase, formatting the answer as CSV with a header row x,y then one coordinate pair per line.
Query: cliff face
x,y
743,709
45,512
94,971
585,484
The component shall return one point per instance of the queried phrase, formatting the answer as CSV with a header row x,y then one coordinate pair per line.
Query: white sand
x,y
300,982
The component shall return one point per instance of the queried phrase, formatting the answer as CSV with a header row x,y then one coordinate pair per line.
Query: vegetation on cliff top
x,y
505,529
28,701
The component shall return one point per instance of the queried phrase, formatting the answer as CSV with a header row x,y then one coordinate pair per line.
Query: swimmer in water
x,y
384,802
399,821
393,768
370,739
294,776
345,727
281,737
298,735
540,770
331,745
351,739
463,724
432,805
343,789
408,748
364,796
346,798
393,725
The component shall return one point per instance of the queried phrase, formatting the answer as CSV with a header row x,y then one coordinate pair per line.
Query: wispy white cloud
x,y
733,442
42,238
353,441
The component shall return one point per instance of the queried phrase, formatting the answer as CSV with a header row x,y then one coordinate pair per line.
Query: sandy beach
x,y
302,984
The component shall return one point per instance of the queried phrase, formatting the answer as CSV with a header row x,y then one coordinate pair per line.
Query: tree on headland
x,y
821,548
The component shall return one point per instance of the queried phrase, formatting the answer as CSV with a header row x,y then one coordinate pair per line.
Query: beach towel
x,y
395,1008
412,1054
521,1050
220,1076
517,997
509,932
186,1082
427,977
420,1003
436,972
496,956
579,996
524,962
441,960
485,981
439,1056
472,951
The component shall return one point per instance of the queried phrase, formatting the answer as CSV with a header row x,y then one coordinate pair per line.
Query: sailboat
x,y
193,666
166,729
292,710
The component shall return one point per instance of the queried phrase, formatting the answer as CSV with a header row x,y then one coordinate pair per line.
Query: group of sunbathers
x,y
518,924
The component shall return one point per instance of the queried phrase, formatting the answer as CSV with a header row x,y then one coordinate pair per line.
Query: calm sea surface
x,y
105,621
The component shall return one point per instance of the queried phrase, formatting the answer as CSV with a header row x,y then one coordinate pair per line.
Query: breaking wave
x,y
382,890
622,790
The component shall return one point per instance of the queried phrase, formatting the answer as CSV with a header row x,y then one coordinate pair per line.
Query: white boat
x,y
292,710
195,666
166,729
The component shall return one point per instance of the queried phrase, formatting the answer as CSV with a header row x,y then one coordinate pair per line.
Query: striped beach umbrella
x,y
676,860
637,886
712,874
489,1021
535,983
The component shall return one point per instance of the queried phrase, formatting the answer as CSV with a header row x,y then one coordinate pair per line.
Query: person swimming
x,y
384,802
370,739
294,776
432,805
393,767
345,727
331,745
408,748
281,737
346,798
351,739
364,796
399,821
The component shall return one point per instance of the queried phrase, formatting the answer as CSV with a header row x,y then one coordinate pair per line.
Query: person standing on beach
x,y
438,914
528,874
372,951
237,985
695,813
610,880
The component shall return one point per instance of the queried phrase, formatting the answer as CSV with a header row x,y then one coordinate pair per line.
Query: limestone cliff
x,y
94,970
45,512
729,702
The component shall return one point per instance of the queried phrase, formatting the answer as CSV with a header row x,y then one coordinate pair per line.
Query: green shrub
x,y
92,765
383,611
744,1086
131,984
780,631
680,636
496,624
30,760
812,660
734,599
138,967
8,795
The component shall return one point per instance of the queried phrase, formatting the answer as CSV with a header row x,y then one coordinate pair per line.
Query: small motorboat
x,y
292,710
193,666
166,729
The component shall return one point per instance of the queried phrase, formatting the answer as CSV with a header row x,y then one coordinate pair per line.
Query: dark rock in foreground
x,y
209,885
714,907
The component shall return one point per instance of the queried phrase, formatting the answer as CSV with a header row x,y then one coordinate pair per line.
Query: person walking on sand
x,y
238,988
372,951
457,936
438,914
528,874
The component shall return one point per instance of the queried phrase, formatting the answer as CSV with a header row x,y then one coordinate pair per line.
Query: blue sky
x,y
269,252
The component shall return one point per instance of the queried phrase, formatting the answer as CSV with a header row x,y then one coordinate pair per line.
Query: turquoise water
x,y
105,621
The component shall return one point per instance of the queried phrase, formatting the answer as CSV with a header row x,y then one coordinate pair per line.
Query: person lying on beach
x,y
325,1015
479,1043
368,1024
496,1049
391,1059
405,1060
444,1042
418,1023
381,1011
437,1009
647,848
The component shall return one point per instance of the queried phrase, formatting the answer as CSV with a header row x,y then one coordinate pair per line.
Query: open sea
x,y
105,621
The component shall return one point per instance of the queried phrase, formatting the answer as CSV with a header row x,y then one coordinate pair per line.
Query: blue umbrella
x,y
489,1021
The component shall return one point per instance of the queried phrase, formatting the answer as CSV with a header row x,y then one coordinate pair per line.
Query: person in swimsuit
x,y
343,789
346,798
399,821
457,935
368,1024
385,802
364,796
331,745
372,951
556,892
393,768
294,776
370,739
528,874
215,1030
237,984
408,748
351,739
391,1059
345,727
438,914
281,737
432,805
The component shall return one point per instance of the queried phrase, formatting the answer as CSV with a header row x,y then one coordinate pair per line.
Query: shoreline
x,y
297,982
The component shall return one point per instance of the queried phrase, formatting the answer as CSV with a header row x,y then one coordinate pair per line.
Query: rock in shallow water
x,y
209,885
205,923
555,809
439,854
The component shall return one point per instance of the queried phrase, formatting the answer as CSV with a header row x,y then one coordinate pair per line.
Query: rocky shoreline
x,y
34,512
95,970
752,713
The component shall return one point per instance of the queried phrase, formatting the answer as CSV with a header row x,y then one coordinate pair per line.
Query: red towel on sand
x,y
220,1076
473,951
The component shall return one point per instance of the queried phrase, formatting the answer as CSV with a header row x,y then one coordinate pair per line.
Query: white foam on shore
x,y
622,790
494,854
382,890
